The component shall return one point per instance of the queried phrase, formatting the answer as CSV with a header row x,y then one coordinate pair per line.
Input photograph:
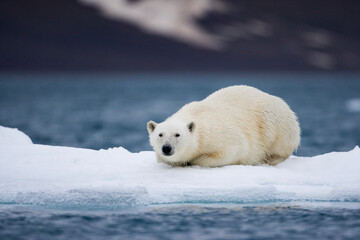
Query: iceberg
x,y
74,177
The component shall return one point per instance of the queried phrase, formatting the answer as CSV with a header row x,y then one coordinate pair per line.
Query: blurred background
x,y
179,35
91,73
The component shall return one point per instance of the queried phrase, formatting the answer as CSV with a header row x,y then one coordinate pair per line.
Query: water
x,y
182,222
102,111
108,110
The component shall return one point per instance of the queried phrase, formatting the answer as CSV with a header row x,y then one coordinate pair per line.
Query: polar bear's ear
x,y
151,125
191,126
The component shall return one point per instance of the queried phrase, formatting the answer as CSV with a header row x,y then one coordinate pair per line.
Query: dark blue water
x,y
110,110
182,222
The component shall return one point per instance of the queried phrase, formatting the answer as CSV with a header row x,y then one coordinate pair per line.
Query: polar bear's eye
x,y
160,135
177,135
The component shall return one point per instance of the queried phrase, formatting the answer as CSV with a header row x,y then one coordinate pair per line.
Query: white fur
x,y
235,125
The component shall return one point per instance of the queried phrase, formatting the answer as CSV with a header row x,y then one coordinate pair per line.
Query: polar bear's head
x,y
173,141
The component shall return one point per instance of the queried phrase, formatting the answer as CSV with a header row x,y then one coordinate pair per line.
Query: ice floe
x,y
65,176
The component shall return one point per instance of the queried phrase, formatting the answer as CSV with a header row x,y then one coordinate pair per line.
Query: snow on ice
x,y
65,176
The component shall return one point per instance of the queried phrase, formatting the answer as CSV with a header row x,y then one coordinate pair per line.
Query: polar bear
x,y
234,125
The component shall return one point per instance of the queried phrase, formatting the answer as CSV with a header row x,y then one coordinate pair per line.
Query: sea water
x,y
110,110
182,222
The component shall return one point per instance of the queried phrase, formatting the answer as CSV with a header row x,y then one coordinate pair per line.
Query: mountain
x,y
179,35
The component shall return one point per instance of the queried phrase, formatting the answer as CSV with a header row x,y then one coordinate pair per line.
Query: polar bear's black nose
x,y
167,149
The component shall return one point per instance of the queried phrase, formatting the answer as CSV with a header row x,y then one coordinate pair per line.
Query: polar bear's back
x,y
235,102
238,96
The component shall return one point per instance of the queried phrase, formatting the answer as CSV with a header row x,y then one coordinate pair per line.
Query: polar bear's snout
x,y
167,150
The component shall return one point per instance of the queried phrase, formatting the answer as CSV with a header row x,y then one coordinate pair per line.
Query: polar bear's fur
x,y
234,125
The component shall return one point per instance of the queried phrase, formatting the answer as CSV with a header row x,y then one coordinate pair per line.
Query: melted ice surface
x,y
65,176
